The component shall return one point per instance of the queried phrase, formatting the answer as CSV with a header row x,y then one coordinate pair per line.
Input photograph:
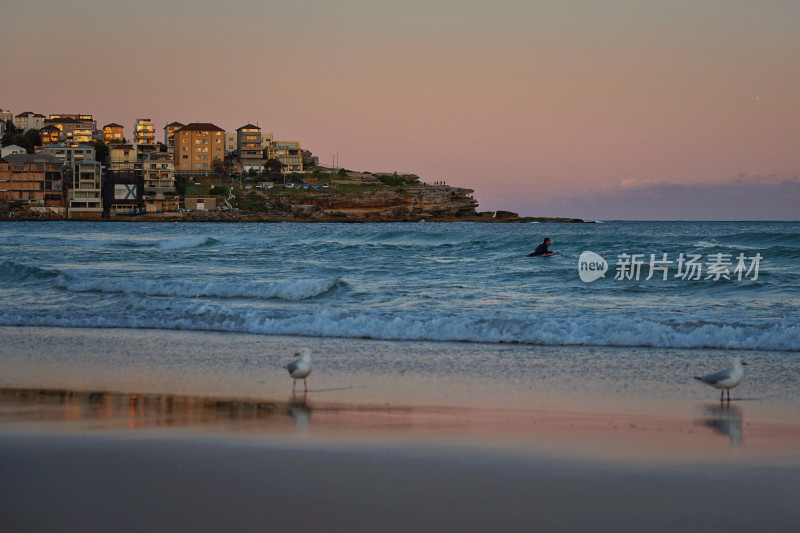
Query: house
x,y
287,152
70,152
169,135
32,178
50,135
84,196
112,133
75,128
12,149
6,115
248,145
196,146
200,204
144,132
29,121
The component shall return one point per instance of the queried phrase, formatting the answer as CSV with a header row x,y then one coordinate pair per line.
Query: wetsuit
x,y
540,250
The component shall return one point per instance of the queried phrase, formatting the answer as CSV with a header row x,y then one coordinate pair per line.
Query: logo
x,y
591,266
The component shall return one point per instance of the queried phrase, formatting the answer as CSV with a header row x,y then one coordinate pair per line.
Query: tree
x,y
7,139
101,151
33,139
218,167
273,167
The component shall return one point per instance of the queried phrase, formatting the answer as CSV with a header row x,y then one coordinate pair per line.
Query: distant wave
x,y
168,244
525,329
283,290
11,271
300,289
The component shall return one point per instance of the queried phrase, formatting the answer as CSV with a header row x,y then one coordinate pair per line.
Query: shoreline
x,y
136,430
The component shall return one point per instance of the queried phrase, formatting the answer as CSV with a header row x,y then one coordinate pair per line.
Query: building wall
x,y
121,157
196,150
33,182
230,142
200,204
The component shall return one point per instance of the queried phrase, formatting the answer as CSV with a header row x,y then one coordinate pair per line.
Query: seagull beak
x,y
744,364
297,355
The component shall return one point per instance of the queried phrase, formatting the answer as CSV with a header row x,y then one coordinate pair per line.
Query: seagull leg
x,y
294,384
721,395
305,383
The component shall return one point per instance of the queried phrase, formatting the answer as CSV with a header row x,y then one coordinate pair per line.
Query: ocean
x,y
462,282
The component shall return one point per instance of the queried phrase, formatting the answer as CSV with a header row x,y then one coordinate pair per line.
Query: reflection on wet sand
x,y
725,419
133,410
622,437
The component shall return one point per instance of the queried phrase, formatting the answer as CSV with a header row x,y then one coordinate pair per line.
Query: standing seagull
x,y
300,368
725,379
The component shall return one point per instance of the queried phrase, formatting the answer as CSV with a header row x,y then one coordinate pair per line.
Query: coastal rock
x,y
505,215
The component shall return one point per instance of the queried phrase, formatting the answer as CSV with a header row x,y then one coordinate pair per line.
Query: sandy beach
x,y
99,432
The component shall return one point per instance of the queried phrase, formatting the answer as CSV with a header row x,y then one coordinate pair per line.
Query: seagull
x,y
301,368
725,379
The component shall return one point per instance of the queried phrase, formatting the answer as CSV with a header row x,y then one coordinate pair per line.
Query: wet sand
x,y
98,433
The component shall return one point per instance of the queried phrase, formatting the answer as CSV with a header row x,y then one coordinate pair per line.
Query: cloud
x,y
749,196
757,177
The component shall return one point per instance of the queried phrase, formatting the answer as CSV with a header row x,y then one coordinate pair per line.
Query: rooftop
x,y
201,126
31,158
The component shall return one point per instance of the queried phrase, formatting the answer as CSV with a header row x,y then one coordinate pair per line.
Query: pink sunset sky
x,y
599,110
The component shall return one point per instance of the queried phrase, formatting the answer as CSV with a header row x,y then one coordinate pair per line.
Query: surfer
x,y
542,249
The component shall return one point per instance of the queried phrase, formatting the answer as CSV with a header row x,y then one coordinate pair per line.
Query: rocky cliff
x,y
412,204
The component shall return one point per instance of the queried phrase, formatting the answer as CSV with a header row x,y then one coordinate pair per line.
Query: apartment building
x,y
196,146
84,197
121,157
29,121
144,132
70,152
248,145
169,135
113,133
32,178
158,171
287,152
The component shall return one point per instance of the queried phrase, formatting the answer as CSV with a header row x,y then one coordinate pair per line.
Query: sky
x,y
592,109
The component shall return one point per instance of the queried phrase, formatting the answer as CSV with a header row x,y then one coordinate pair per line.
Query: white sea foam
x,y
423,326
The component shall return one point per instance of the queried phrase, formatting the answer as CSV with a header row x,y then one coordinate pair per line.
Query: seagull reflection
x,y
725,419
300,412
